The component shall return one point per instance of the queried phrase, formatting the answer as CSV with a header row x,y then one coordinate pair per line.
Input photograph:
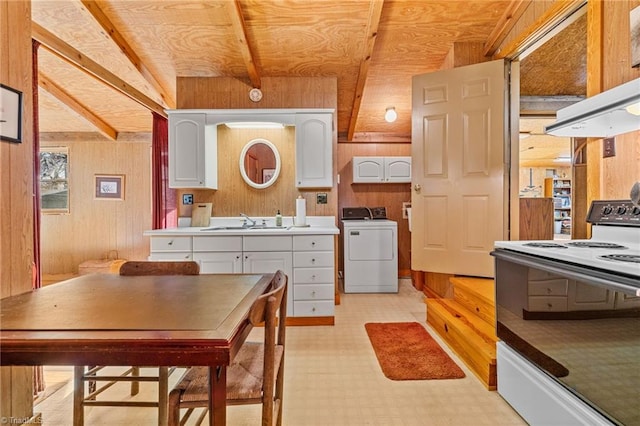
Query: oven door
x,y
580,327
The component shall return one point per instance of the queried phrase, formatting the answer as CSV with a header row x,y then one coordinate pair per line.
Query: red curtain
x,y
37,274
38,371
165,212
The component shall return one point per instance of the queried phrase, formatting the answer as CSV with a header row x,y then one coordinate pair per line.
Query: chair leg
x,y
78,396
163,395
135,385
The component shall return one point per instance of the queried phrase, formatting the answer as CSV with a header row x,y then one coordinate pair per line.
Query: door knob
x,y
417,187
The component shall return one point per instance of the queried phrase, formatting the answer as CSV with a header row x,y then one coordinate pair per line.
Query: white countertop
x,y
318,225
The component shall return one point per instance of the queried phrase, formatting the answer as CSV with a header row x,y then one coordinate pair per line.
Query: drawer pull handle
x,y
313,309
313,293
170,243
313,243
313,260
313,277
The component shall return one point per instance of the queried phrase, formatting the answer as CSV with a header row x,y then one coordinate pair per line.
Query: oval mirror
x,y
259,163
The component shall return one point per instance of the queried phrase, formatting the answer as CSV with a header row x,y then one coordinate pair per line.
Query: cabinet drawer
x,y
219,262
312,259
170,244
312,242
313,275
537,274
547,304
168,255
556,287
316,308
222,243
313,292
264,243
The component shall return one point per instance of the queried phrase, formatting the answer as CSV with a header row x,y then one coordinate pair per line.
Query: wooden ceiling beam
x,y
79,60
240,34
115,35
543,28
375,12
374,137
71,103
512,13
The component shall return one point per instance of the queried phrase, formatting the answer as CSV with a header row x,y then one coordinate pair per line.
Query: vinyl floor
x,y
332,378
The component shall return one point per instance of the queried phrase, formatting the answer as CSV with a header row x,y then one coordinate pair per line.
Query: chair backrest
x,y
134,267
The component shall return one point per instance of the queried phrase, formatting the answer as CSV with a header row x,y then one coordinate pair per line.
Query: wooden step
x,y
485,331
472,347
477,295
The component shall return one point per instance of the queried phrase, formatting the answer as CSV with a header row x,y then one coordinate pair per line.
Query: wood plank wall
x,y
389,195
16,187
99,228
233,195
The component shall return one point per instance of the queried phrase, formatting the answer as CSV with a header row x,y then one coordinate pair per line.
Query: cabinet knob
x,y
313,243
313,293
313,261
170,243
238,257
313,277
417,187
313,309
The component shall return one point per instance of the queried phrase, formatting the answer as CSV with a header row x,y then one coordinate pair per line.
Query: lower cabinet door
x,y
219,262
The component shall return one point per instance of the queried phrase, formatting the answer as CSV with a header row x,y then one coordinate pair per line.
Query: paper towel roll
x,y
409,217
301,212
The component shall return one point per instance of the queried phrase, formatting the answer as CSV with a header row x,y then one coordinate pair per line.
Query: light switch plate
x,y
608,147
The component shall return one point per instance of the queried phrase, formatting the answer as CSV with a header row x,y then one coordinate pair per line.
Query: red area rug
x,y
406,351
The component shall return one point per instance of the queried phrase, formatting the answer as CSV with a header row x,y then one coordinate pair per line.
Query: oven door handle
x,y
623,284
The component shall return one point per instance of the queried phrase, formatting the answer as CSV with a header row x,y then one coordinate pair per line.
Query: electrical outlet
x,y
187,199
321,198
608,147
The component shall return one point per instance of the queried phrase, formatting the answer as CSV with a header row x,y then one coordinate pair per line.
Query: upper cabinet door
x,y
314,150
397,169
368,169
192,152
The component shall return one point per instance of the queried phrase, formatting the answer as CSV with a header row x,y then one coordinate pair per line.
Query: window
x,y
54,180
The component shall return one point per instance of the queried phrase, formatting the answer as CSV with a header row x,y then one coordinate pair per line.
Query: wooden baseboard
x,y
310,321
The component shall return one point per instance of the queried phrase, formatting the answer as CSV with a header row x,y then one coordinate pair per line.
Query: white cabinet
x,y
308,261
192,151
218,254
314,150
171,248
313,275
381,169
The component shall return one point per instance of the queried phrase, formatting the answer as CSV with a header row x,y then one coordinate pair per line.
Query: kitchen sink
x,y
243,228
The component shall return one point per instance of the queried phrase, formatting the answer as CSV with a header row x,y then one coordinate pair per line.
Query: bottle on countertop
x,y
278,219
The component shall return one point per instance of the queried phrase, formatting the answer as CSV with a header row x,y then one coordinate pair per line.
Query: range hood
x,y
606,114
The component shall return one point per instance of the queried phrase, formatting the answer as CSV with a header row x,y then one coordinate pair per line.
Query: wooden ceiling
x,y
372,47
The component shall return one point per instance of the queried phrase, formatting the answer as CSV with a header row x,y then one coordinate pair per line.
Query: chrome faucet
x,y
247,218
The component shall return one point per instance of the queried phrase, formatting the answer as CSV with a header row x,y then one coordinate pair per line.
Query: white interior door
x,y
460,176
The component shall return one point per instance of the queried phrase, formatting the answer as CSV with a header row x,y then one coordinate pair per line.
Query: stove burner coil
x,y
629,258
545,245
595,244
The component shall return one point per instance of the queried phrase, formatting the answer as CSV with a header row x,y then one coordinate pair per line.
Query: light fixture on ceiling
x,y
562,160
254,125
390,115
606,114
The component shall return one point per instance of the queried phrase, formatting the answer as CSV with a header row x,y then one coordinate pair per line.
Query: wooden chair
x,y
90,374
256,374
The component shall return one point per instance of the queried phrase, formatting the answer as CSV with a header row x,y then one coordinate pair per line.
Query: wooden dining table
x,y
104,319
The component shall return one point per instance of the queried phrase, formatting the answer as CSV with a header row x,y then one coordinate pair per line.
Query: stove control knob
x,y
607,210
635,211
622,210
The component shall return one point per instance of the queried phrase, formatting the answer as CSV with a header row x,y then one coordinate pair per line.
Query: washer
x,y
370,256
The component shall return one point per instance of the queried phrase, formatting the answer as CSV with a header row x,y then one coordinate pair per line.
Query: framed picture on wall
x,y
109,187
10,114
